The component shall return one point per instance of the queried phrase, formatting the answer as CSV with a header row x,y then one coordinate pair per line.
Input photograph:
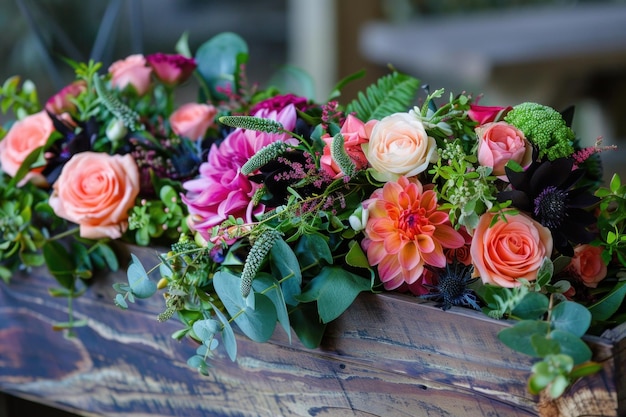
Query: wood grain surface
x,y
389,355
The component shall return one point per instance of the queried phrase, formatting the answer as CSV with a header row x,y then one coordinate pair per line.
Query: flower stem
x,y
66,233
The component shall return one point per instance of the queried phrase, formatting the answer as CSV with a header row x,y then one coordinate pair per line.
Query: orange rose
x,y
509,250
192,120
587,264
95,190
131,71
24,137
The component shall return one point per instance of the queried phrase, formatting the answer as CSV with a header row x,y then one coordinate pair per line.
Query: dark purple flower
x,y
548,191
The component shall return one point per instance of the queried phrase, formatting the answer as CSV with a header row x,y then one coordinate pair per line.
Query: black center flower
x,y
548,191
550,207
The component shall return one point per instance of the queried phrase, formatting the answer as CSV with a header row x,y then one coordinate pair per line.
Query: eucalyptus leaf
x,y
537,382
269,286
218,60
206,329
532,306
197,362
334,289
519,337
228,336
120,301
307,325
285,266
294,80
544,346
558,386
140,284
572,345
257,324
311,250
571,317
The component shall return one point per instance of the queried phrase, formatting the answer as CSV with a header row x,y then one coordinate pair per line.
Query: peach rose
x,y
587,264
509,250
399,146
192,120
499,143
131,71
95,190
24,137
355,133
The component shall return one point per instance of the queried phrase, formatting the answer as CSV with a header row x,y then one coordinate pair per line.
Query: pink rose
x,y
61,102
355,133
399,146
192,120
509,250
24,137
587,264
131,71
171,69
486,114
95,190
499,143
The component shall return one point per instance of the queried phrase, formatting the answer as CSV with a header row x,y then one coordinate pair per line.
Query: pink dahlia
x,y
405,231
221,189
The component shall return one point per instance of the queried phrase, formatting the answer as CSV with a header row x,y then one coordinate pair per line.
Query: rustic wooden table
x,y
387,356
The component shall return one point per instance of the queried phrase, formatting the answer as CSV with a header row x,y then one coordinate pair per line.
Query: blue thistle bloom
x,y
452,287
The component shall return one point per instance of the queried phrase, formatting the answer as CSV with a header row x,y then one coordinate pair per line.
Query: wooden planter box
x,y
388,355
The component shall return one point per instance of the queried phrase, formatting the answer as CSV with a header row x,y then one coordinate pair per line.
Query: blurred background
x,y
557,52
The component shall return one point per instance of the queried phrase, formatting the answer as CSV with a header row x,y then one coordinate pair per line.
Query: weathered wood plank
x,y
387,356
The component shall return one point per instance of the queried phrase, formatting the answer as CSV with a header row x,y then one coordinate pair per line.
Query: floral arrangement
x,y
277,209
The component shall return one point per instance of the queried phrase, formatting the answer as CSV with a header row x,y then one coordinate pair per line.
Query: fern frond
x,y
392,93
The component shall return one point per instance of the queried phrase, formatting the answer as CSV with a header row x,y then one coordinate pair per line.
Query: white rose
x,y
399,146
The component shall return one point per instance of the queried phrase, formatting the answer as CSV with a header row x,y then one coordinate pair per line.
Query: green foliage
x,y
392,93
218,61
290,79
162,219
22,99
333,289
612,220
548,329
257,321
544,127
121,111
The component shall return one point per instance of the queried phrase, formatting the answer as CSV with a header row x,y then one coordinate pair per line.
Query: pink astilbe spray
x,y
582,155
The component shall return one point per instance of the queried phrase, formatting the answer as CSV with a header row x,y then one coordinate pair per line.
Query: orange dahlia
x,y
406,231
